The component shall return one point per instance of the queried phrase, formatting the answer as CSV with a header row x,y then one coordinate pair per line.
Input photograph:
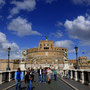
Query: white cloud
x,y
85,2
28,5
4,44
64,43
58,34
71,51
17,55
21,27
50,1
84,43
2,2
2,38
59,24
87,16
79,28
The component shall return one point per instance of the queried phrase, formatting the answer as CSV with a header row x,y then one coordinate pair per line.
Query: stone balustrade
x,y
8,75
80,75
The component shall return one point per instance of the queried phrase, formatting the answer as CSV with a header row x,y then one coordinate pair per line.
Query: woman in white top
x,y
48,74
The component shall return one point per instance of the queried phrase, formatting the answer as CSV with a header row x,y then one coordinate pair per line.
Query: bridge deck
x,y
55,85
78,85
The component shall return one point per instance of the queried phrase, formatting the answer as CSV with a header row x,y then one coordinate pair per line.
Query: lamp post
x,y
76,49
8,68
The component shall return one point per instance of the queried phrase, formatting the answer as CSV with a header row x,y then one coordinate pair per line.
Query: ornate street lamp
x,y
9,49
76,49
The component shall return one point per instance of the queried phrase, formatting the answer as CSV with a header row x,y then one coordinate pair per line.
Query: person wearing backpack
x,y
18,78
28,79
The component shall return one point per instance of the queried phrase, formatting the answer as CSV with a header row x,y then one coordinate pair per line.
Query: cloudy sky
x,y
23,23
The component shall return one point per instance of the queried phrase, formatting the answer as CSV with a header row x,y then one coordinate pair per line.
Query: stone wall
x,y
13,64
4,65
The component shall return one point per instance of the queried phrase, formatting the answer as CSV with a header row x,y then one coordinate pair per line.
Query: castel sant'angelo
x,y
46,53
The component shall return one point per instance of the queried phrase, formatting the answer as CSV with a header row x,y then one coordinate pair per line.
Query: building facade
x,y
46,53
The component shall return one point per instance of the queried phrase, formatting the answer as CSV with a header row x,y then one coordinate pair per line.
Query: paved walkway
x,y
55,85
78,85
6,84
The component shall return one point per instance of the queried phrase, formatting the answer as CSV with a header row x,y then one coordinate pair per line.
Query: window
x,y
51,45
47,44
40,45
46,47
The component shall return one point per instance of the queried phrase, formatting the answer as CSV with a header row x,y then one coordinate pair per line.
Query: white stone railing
x,y
6,76
80,75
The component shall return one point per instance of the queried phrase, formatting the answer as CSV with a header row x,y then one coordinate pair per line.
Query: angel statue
x,y
23,55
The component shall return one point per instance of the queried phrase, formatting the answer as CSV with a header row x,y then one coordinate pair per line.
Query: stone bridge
x,y
78,80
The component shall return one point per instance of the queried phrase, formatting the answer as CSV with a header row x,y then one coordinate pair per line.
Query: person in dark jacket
x,y
28,79
32,74
44,75
40,73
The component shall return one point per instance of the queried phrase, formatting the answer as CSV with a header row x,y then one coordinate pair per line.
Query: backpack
x,y
18,76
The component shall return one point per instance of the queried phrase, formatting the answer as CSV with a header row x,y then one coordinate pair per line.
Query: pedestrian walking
x,y
51,74
28,79
68,74
48,75
32,74
18,78
40,72
44,75
55,74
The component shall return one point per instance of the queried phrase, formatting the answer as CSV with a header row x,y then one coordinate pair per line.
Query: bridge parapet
x,y
6,76
80,75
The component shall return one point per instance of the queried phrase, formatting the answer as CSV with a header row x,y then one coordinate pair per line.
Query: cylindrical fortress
x,y
46,53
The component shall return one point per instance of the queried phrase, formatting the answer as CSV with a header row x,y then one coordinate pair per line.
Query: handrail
x,y
81,75
8,75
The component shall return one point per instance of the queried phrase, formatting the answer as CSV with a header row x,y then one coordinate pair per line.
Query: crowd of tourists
x,y
45,75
